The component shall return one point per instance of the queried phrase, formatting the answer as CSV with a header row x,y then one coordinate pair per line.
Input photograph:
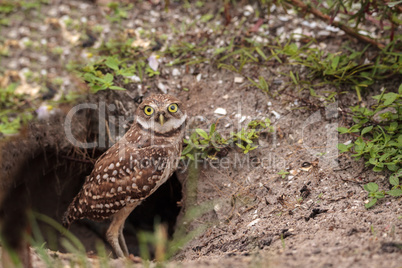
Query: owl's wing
x,y
123,176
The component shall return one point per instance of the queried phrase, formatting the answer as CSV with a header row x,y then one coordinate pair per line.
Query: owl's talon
x,y
135,259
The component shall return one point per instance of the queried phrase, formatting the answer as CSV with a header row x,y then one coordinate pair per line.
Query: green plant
x,y
374,194
283,173
102,74
69,241
188,53
208,144
262,84
205,143
283,241
341,68
13,110
7,7
379,140
118,11
234,58
101,82
350,14
373,231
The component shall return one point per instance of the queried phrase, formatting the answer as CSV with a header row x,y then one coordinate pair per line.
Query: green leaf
x,y
108,78
293,77
112,63
400,86
343,130
371,203
395,192
187,149
249,55
241,146
355,128
371,187
202,133
390,98
314,94
206,17
394,180
335,62
377,168
392,127
220,50
116,88
366,129
342,148
393,4
373,160
252,148
89,77
391,166
378,195
261,53
212,129
291,49
126,72
263,83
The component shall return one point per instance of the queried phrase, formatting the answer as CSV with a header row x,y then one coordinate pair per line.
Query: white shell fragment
x,y
220,111
254,222
238,79
175,72
276,114
162,87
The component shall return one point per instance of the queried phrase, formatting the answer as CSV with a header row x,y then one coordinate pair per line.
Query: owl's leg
x,y
115,231
122,241
112,235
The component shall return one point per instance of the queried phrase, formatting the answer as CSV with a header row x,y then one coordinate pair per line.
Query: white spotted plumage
x,y
133,168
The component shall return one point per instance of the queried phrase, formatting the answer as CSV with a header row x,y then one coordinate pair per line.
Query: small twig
x,y
353,181
108,131
77,160
341,169
330,21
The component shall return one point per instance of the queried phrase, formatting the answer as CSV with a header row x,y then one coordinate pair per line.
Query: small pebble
x,y
220,111
238,79
162,87
254,222
198,77
135,78
153,63
175,72
276,114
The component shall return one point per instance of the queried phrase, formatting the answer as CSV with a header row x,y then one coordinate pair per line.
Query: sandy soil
x,y
312,217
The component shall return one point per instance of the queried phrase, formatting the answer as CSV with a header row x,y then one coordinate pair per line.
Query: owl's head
x,y
161,113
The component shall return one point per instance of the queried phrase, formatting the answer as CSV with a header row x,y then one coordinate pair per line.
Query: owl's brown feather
x,y
134,167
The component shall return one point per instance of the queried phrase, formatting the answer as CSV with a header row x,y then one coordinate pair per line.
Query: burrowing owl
x,y
133,168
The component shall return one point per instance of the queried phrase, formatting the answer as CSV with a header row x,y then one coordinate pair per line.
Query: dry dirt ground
x,y
314,216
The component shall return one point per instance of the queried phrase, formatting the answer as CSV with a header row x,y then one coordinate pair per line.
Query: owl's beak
x,y
161,119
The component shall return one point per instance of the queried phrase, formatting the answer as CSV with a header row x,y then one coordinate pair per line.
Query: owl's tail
x,y
72,213
67,220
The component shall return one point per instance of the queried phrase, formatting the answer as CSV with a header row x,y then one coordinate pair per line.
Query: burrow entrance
x,y
46,181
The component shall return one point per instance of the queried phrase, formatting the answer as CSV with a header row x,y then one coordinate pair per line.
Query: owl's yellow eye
x,y
148,110
173,108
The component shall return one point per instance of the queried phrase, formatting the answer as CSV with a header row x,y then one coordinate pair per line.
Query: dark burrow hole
x,y
48,182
